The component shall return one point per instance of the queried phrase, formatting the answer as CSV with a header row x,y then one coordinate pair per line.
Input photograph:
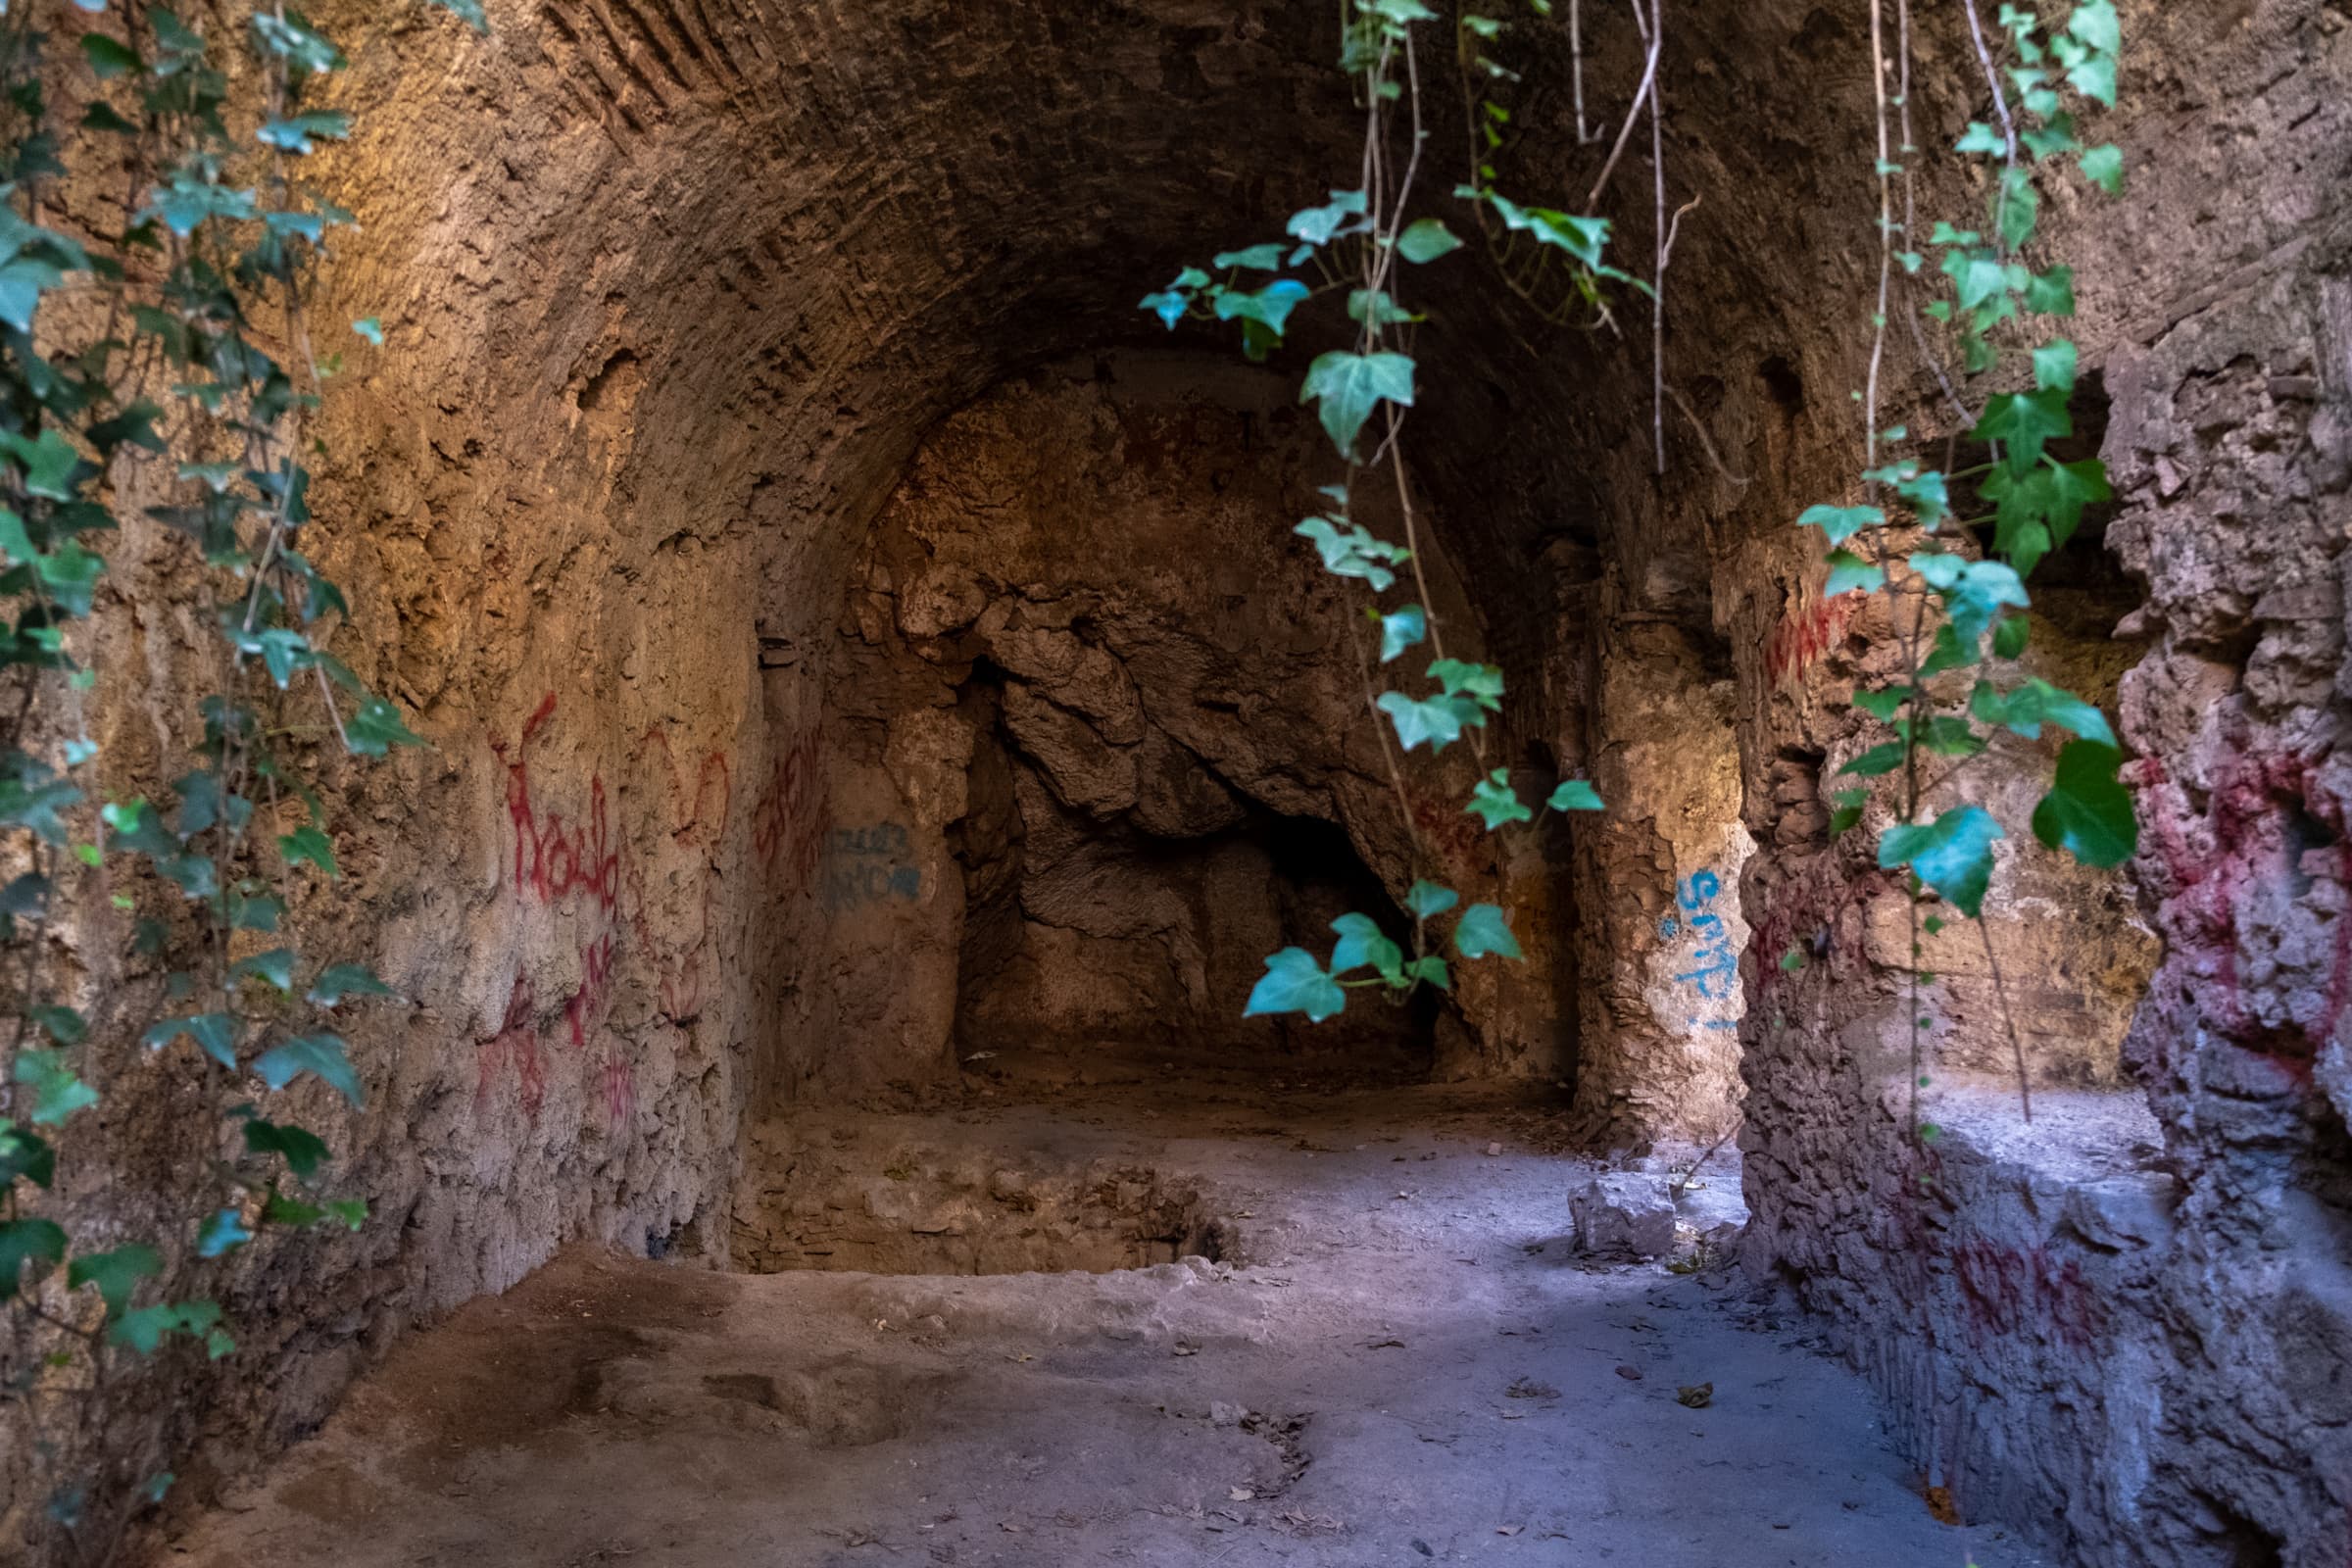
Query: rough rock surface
x,y
1623,1215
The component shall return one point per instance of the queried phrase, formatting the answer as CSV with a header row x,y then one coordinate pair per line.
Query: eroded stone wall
x,y
1099,686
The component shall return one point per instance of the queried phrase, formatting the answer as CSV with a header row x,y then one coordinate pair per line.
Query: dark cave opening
x,y
1100,946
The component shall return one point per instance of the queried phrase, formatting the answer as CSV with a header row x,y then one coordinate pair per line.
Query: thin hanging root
x,y
1665,247
1576,69
1706,443
1625,132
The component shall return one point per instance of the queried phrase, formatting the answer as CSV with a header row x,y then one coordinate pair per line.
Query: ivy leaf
x,y
1432,969
1269,307
1972,591
1481,683
1424,900
2094,23
307,843
1494,801
1293,982
276,966
1401,630
1840,523
145,1329
2103,167
2039,510
376,728
37,1242
223,1231
56,1092
319,1054
303,1151
2018,205
254,912
115,1274
24,1153
2058,136
1348,551
1953,855
1946,736
372,329
294,134
110,59
2051,293
1362,942
1426,240
32,796
1575,795
1438,720
1849,810
2054,366
341,980
62,1024
280,1210
215,1034
1315,225
2026,420
48,461
1884,704
1377,304
1981,138
1483,930
303,48
1257,258
2088,811
1349,386
1850,573
2010,635
2036,703
1879,759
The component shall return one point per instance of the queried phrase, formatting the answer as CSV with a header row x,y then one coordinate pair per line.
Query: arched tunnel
x,y
882,720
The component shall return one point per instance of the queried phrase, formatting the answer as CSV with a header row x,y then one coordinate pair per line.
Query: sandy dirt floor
x,y
1398,1358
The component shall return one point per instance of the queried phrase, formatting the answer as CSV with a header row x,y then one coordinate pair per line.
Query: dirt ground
x,y
1397,1359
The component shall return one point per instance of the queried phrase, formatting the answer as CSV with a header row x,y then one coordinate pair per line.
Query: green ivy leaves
x,y
1348,551
1293,982
1482,931
2088,811
1426,240
1348,387
1953,855
1404,629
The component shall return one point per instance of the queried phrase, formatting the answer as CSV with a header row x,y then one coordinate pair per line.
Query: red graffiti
x,y
699,821
2010,1293
518,1038
1805,638
788,820
553,862
620,1088
2247,841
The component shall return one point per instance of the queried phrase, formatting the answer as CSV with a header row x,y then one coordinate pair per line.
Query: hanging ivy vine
x,y
1953,589
1357,251
163,375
